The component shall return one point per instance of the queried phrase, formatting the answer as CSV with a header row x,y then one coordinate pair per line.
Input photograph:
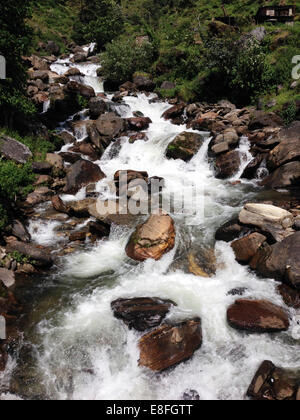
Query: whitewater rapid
x,y
83,352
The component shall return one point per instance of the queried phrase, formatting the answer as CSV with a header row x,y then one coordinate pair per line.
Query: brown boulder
x,y
287,176
110,125
174,112
59,205
143,83
97,107
170,345
257,316
81,174
138,123
261,119
185,146
246,248
152,239
289,147
14,150
40,255
78,88
141,314
227,165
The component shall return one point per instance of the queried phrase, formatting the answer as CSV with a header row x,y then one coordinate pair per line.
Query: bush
x,y
124,57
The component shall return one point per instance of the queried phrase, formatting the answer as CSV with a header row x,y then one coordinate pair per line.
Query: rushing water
x,y
80,351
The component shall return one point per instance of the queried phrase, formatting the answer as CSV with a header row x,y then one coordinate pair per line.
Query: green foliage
x,y
289,112
14,42
124,57
99,21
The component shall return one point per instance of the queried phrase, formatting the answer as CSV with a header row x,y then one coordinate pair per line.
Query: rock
x,y
81,174
56,161
202,263
110,125
251,169
152,239
40,255
73,71
230,231
261,119
52,48
78,236
80,208
229,136
43,168
168,85
40,195
275,384
185,146
87,149
170,344
143,83
280,261
138,136
257,316
191,395
228,165
246,248
220,148
287,176
138,123
14,150
59,205
78,88
124,180
174,112
290,296
97,107
39,75
99,229
258,33
289,147
205,121
20,231
79,57
112,212
141,314
127,87
268,218
7,277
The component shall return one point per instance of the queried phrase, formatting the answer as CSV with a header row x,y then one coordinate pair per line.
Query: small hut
x,y
276,14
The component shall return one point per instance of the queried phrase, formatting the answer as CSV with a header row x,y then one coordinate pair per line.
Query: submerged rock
x,y
257,316
185,146
170,344
152,239
141,314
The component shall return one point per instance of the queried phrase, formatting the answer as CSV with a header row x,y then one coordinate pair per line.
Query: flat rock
x,y
170,344
14,150
257,316
141,314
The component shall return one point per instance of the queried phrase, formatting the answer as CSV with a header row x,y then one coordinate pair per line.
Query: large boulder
x,y
185,146
78,88
138,123
144,83
143,313
261,119
247,247
170,344
289,147
174,112
81,174
280,261
287,176
97,107
110,125
230,231
257,316
14,150
228,164
152,239
274,384
39,255
268,218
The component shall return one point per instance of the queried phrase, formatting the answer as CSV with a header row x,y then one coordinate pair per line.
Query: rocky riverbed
x,y
96,302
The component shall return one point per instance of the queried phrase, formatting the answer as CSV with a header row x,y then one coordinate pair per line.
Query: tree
x,y
99,21
14,41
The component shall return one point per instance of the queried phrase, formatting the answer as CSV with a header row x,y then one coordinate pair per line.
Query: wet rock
x,y
251,170
152,239
78,88
97,107
78,236
39,195
14,150
291,297
112,212
287,176
143,83
73,71
280,261
257,316
289,147
70,157
141,314
56,162
191,395
238,291
268,218
138,136
205,121
3,355
246,248
40,255
99,229
260,120
20,231
230,231
80,208
87,149
110,125
170,345
7,277
59,205
124,181
185,146
138,123
81,174
174,112
127,87
275,384
228,165
202,263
